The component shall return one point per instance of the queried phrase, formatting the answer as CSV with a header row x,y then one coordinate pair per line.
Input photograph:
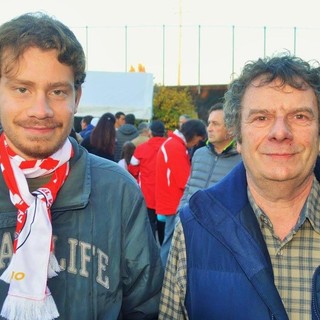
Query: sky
x,y
182,60
150,12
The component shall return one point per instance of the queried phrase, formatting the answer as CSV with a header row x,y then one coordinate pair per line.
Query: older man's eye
x,y
261,118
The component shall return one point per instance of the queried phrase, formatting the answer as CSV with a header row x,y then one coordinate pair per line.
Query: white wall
x,y
129,92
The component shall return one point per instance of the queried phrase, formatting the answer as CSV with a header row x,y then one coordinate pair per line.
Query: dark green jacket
x,y
103,241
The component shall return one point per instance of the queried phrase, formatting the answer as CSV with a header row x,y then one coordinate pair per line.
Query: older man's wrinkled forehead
x,y
278,83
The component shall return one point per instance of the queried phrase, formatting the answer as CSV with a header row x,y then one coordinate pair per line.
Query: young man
x,y
120,119
61,216
249,246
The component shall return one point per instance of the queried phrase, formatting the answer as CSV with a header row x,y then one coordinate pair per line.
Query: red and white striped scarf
x,y
33,261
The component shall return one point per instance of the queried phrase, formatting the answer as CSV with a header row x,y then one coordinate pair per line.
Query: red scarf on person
x,y
33,260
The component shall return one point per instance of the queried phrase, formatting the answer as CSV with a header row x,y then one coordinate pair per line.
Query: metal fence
x,y
191,55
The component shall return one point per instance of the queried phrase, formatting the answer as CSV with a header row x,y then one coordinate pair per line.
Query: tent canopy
x,y
129,92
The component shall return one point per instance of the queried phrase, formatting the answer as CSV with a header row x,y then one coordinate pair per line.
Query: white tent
x,y
129,92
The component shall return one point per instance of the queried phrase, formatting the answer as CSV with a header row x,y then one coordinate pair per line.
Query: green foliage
x,y
169,103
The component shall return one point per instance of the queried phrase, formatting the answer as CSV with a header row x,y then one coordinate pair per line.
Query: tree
x,y
171,102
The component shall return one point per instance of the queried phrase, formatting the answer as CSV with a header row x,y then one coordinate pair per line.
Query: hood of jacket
x,y
127,129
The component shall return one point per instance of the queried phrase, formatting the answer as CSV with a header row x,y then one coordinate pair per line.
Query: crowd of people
x,y
160,162
127,221
166,166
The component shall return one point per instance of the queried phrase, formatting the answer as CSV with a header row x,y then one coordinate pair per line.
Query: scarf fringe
x,y
26,309
53,266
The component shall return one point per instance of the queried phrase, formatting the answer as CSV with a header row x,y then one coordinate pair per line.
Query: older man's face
x,y
280,132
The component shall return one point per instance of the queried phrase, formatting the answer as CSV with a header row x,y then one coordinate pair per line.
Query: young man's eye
x,y
58,92
21,90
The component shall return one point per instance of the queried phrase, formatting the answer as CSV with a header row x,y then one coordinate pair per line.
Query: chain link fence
x,y
191,55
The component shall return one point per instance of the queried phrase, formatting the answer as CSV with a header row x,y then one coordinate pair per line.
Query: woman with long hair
x,y
102,139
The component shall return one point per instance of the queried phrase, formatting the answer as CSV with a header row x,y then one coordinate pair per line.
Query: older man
x,y
249,247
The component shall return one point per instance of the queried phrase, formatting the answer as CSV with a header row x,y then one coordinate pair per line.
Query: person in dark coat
x,y
126,132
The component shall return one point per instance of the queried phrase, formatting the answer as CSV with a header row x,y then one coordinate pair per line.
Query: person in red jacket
x,y
143,167
172,173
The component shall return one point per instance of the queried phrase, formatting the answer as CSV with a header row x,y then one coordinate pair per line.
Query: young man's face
x,y
37,104
280,132
120,121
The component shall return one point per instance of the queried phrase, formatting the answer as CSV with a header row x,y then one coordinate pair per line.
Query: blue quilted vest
x,y
229,269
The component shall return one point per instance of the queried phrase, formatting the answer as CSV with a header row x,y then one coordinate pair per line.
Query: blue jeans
x,y
168,233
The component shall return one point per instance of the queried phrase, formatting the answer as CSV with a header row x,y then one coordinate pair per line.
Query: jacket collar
x,y
225,206
230,148
75,191
178,134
